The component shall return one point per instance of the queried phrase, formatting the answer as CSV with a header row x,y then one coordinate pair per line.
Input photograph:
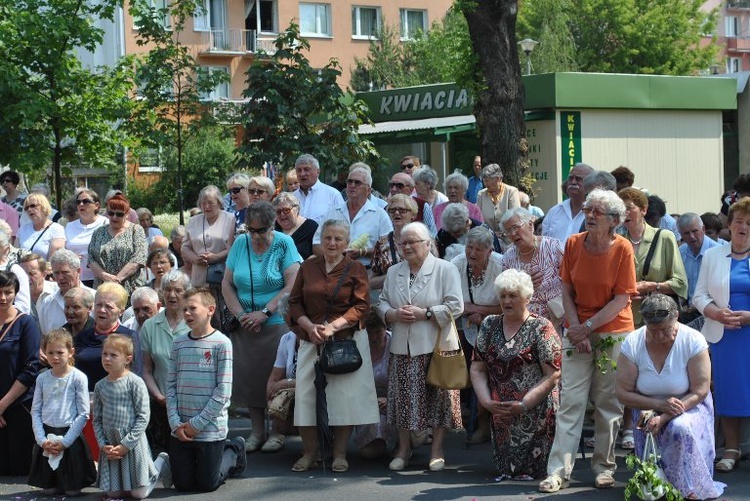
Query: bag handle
x,y
650,255
649,448
437,338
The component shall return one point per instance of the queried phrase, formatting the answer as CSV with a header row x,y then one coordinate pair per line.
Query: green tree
x,y
549,22
293,108
170,105
55,111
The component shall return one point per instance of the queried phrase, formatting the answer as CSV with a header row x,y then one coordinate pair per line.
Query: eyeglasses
x,y
284,211
31,206
407,166
512,230
236,190
398,210
5,181
400,186
655,314
256,193
355,182
85,201
595,212
258,231
115,213
410,243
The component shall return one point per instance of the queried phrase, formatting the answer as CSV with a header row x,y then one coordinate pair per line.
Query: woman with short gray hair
x,y
455,187
290,222
425,181
456,224
496,197
261,189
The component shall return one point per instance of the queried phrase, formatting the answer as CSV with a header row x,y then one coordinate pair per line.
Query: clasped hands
x,y
115,452
504,411
185,432
410,314
578,335
253,320
53,448
732,319
320,332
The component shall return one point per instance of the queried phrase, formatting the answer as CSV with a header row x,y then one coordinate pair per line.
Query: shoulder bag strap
x,y
250,265
337,288
31,249
468,281
392,243
650,255
7,329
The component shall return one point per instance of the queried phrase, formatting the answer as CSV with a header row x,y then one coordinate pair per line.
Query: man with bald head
x,y
565,218
403,183
694,246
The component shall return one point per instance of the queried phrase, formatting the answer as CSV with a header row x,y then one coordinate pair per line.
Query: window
x,y
211,16
157,7
412,21
365,22
150,160
731,26
315,19
221,91
261,16
734,65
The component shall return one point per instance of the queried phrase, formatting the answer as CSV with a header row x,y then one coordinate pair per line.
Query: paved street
x,y
468,476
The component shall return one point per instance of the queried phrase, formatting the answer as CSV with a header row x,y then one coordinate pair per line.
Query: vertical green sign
x,y
570,140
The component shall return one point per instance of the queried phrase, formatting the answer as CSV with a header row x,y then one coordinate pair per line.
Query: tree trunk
x,y
499,101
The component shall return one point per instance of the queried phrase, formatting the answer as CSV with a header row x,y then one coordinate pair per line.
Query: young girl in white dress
x,y
61,461
121,414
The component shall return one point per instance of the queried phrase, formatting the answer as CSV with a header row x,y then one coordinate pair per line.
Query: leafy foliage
x,y
645,475
55,111
293,108
600,347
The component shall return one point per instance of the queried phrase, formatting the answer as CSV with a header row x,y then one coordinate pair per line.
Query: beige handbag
x,y
281,405
448,368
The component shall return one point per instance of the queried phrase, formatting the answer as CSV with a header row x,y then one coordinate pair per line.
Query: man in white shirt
x,y
363,216
315,198
36,268
66,270
565,218
146,304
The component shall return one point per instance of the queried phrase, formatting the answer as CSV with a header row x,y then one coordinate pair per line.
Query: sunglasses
x,y
355,182
400,186
236,190
655,314
115,213
31,206
256,193
5,181
258,231
284,211
407,166
85,201
398,210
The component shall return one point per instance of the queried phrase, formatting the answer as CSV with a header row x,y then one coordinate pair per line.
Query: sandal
x,y
628,442
728,464
305,463
339,465
553,483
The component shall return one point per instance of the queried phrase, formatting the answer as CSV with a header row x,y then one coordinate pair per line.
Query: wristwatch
x,y
658,287
268,312
589,325
428,313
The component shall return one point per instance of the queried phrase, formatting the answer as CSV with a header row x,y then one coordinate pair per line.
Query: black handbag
x,y
340,356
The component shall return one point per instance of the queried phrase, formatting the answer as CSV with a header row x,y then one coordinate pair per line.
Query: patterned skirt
x,y
415,405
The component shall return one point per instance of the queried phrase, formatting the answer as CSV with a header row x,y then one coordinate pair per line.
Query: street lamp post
x,y
527,46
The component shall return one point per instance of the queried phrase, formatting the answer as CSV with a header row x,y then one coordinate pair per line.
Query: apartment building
x,y
732,34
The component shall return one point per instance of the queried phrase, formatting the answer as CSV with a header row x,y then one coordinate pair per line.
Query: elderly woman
x,y
456,223
261,189
664,367
722,295
598,276
19,359
79,303
40,236
515,373
209,236
330,299
237,185
159,261
402,209
78,233
538,256
22,297
117,251
146,220
110,301
456,185
420,297
425,181
496,197
177,236
261,267
289,222
156,336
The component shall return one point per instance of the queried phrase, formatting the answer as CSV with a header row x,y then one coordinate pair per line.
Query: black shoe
x,y
238,444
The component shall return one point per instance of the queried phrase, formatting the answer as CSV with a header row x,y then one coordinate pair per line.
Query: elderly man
x,y
161,242
565,218
475,181
36,268
364,217
404,184
79,306
525,201
315,198
66,270
694,246
145,304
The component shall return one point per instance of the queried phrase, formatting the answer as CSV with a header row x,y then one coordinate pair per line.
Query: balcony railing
x,y
738,4
738,44
233,42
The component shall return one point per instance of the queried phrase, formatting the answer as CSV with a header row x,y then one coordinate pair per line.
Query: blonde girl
x,y
61,460
121,413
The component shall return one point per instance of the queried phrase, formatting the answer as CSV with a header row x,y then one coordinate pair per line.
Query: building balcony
x,y
738,44
233,42
738,4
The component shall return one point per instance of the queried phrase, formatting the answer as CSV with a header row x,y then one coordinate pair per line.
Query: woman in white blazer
x,y
419,296
722,295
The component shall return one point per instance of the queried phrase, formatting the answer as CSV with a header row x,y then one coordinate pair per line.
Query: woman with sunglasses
x,y
290,222
402,209
261,266
117,251
237,184
598,278
40,236
78,233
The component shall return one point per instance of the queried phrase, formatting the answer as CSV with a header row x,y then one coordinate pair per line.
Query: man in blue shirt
x,y
475,181
694,245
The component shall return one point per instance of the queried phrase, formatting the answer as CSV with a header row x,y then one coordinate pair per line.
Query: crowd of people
x,y
123,348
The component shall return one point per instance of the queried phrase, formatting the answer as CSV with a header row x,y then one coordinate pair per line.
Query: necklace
x,y
531,252
476,281
741,252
